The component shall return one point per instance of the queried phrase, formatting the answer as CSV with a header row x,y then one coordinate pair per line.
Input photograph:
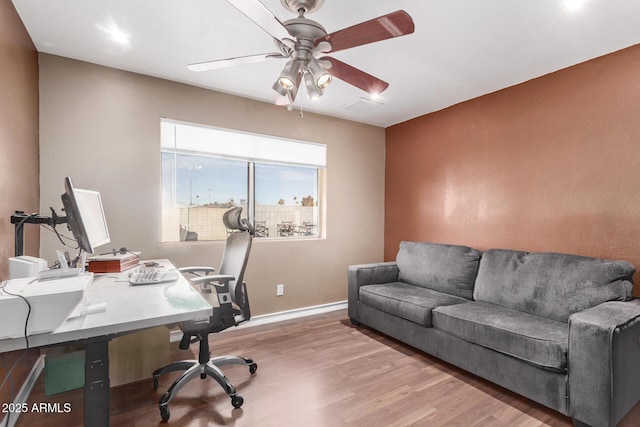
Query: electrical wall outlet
x,y
279,290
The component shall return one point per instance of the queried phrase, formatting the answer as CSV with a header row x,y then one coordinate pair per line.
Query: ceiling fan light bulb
x,y
321,76
323,81
286,83
287,79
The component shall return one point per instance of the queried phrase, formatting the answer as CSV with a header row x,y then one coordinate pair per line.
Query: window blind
x,y
187,138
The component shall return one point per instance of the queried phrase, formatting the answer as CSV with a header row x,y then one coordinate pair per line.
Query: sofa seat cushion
x,y
534,339
409,302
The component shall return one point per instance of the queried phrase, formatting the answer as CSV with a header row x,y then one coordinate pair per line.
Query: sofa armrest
x,y
603,358
368,274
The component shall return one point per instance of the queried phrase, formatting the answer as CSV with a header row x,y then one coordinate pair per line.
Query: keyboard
x,y
151,276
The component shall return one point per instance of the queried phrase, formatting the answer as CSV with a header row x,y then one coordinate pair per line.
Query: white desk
x,y
129,308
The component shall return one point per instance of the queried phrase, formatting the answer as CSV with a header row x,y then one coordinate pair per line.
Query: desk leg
x,y
96,384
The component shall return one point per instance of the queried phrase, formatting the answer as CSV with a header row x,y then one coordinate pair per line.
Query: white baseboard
x,y
25,391
280,316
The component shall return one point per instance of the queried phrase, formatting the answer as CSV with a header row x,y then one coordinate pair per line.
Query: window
x,y
206,170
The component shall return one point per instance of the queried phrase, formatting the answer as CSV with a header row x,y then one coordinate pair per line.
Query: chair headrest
x,y
232,220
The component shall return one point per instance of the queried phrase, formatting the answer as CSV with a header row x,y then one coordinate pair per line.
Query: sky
x,y
203,180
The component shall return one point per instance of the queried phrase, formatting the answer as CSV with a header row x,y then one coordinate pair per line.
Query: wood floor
x,y
318,371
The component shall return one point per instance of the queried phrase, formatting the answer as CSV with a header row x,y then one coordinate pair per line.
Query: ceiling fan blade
x,y
355,77
230,62
262,17
394,24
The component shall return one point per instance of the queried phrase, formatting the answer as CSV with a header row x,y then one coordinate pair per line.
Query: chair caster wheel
x,y
237,401
253,368
164,413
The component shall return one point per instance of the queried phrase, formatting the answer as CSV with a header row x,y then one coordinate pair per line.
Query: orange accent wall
x,y
19,160
552,164
19,157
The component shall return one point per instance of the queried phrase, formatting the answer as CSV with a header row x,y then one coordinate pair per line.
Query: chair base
x,y
194,368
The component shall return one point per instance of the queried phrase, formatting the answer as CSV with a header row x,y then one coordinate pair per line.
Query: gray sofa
x,y
562,330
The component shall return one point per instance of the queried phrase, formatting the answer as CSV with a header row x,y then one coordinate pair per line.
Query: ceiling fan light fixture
x,y
313,91
287,79
321,76
324,80
278,88
286,83
303,42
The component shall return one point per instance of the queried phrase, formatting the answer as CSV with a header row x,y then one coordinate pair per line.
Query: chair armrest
x,y
220,283
367,274
197,270
603,357
210,278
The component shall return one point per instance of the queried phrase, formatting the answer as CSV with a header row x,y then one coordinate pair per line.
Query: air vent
x,y
363,105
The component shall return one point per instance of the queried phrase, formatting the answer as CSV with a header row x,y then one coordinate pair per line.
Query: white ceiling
x,y
461,49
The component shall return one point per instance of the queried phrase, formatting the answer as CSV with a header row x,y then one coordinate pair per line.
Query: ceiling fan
x,y
305,42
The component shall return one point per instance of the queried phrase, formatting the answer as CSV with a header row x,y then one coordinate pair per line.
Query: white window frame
x,y
178,137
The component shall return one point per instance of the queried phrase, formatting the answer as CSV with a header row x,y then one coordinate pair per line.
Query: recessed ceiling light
x,y
574,5
115,34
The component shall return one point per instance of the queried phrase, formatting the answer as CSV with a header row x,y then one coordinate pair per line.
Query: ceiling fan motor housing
x,y
305,31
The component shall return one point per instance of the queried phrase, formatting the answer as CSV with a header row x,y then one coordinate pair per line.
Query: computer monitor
x,y
85,216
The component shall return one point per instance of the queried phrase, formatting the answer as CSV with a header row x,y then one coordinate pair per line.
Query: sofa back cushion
x,y
446,268
551,285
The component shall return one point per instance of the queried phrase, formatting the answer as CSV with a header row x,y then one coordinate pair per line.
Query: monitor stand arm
x,y
19,218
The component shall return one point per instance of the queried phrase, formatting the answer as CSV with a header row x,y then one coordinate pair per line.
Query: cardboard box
x,y
113,263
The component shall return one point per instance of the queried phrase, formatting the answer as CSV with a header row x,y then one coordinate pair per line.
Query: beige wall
x,y
102,127
548,165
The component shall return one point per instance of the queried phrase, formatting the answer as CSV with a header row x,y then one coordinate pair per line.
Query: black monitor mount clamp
x,y
19,218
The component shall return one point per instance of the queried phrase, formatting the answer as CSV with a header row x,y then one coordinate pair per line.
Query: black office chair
x,y
233,309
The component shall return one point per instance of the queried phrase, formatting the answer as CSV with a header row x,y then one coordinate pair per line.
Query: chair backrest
x,y
235,258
